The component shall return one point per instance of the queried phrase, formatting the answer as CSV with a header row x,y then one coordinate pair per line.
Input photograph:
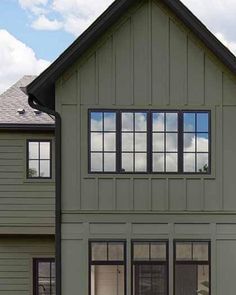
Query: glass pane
x,y
171,122
189,122
158,162
140,121
127,142
96,162
158,142
200,251
189,162
150,279
203,279
171,162
158,251
53,270
127,162
96,142
33,150
203,163
44,286
109,142
45,150
158,122
33,168
183,251
141,251
116,251
107,280
171,142
202,142
189,142
109,162
45,168
141,162
109,121
127,121
202,122
140,142
44,269
96,121
99,251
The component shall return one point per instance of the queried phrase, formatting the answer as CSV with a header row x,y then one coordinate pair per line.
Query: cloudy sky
x,y
34,32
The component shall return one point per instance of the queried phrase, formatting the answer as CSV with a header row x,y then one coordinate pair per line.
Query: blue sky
x,y
34,32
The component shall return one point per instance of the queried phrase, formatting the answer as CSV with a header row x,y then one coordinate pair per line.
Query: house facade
x,y
27,196
145,102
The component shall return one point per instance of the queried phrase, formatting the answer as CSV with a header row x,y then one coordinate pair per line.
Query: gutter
x,y
34,103
27,127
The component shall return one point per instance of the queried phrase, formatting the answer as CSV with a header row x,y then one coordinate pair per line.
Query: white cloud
x,y
17,59
43,23
228,44
35,6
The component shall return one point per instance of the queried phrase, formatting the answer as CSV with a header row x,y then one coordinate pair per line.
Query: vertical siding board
x,y
141,56
195,74
159,195
88,81
106,195
123,194
141,195
194,195
160,56
178,65
123,64
89,195
105,75
177,195
229,90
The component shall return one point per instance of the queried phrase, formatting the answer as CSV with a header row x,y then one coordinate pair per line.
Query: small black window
x,y
39,159
107,268
149,141
150,268
44,276
192,267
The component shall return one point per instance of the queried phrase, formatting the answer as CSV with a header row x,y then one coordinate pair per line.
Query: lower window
x,y
150,268
44,276
107,268
192,268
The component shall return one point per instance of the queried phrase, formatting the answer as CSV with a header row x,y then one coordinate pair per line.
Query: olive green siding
x,y
26,206
16,262
148,60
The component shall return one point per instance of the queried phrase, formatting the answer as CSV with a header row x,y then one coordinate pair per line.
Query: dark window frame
x,y
150,262
36,262
28,141
192,262
108,262
180,136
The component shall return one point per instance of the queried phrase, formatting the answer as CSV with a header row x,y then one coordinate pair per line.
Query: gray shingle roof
x,y
13,99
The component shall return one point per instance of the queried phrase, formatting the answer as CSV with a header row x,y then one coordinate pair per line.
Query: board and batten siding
x,y
150,60
16,262
26,206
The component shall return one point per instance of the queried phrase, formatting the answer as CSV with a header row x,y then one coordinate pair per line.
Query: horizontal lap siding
x,y
24,204
147,60
16,257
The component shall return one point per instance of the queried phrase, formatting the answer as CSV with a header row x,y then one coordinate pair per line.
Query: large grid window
x,y
107,268
39,159
44,276
149,141
192,268
150,268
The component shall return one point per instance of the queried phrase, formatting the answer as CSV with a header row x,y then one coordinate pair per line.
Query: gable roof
x,y
43,86
14,100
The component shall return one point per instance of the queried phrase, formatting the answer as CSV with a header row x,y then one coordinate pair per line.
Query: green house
x,y
144,103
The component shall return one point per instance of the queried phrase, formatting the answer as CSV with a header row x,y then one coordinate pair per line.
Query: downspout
x,y
35,104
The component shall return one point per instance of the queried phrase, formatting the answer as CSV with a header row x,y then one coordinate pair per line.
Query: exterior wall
x,y
26,206
16,262
148,60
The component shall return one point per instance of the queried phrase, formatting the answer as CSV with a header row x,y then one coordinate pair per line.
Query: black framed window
x,y
39,159
149,268
107,267
192,267
44,276
149,141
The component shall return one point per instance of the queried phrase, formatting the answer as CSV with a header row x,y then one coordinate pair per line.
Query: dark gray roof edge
x,y
45,81
27,127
